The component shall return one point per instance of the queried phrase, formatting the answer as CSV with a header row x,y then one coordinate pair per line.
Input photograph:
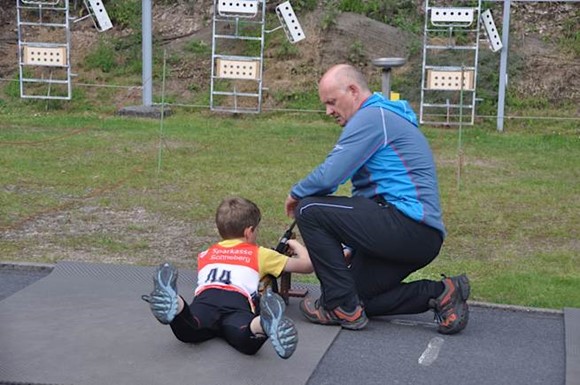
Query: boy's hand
x,y
295,247
300,261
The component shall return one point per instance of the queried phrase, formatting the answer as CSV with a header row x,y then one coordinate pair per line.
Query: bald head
x,y
343,89
346,75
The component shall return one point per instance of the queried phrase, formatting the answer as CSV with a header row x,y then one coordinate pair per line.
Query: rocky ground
x,y
544,70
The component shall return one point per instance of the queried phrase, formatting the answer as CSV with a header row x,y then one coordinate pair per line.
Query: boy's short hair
x,y
234,215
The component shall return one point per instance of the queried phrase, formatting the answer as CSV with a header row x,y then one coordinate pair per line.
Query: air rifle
x,y
286,278
282,246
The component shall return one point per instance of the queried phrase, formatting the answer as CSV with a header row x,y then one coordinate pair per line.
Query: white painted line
x,y
432,352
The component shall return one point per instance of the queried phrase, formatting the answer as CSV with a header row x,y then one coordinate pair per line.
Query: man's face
x,y
339,101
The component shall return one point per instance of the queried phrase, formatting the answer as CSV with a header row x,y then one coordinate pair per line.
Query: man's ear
x,y
353,89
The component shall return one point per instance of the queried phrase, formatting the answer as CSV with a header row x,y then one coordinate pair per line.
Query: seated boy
x,y
229,273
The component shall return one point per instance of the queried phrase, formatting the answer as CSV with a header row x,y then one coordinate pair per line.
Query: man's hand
x,y
347,251
290,206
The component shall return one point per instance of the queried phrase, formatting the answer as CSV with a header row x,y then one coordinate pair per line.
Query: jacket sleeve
x,y
362,136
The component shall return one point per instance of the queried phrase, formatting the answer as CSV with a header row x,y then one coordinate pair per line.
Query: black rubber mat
x,y
572,325
14,280
498,347
86,324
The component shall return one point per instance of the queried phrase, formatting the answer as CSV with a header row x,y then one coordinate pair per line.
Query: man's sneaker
x,y
316,313
163,298
451,310
276,325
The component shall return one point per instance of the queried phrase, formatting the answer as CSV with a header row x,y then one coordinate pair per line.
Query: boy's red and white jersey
x,y
233,268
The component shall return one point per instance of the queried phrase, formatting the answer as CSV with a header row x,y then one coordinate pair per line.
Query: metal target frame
x,y
236,84
44,67
449,81
45,70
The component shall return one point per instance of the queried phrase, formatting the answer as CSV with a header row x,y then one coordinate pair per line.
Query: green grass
x,y
512,217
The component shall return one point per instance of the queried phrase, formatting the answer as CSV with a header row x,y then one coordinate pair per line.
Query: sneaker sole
x,y
356,325
464,287
350,325
350,320
285,340
281,330
165,316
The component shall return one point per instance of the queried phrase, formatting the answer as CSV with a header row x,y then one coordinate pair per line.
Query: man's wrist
x,y
294,196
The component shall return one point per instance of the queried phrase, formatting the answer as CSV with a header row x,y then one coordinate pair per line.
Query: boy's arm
x,y
300,262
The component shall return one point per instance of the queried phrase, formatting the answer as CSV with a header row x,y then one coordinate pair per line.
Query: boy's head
x,y
234,215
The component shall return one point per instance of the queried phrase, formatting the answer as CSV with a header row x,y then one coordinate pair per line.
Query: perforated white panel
x,y
492,33
237,69
41,2
237,8
101,15
452,16
42,56
290,22
449,80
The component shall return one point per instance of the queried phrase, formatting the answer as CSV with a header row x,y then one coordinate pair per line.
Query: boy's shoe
x,y
276,325
315,312
163,298
451,310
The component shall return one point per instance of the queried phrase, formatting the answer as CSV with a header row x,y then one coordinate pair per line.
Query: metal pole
x,y
505,33
147,47
386,88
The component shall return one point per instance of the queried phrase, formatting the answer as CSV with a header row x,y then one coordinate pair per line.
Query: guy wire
x,y
161,127
460,131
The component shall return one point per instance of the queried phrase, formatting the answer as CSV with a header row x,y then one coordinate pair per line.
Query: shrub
x,y
126,13
103,57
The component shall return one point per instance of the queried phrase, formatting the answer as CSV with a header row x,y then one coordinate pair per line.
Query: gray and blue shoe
x,y
163,298
281,330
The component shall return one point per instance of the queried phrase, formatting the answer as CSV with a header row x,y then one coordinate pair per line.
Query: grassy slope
x,y
512,217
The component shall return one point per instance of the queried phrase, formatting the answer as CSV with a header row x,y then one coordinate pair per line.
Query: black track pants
x,y
388,246
218,313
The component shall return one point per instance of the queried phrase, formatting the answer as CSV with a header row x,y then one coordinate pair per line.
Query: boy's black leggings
x,y
388,246
218,313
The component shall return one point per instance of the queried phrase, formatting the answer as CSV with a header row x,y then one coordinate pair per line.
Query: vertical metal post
x,y
386,83
147,47
505,33
20,36
385,64
68,50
